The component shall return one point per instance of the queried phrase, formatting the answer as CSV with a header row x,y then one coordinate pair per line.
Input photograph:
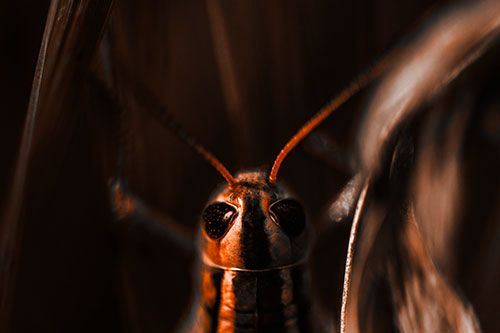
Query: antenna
x,y
146,99
157,110
322,114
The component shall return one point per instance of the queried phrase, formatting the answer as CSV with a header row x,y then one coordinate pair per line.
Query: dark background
x,y
78,273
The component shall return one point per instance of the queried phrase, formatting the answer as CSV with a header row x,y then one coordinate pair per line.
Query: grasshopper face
x,y
253,225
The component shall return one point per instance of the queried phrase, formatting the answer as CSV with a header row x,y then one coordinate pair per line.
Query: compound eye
x,y
217,219
289,215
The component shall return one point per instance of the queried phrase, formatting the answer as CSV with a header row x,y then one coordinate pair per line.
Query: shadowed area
x,y
242,77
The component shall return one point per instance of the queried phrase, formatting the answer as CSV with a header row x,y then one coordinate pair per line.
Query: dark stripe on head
x,y
245,290
271,288
255,244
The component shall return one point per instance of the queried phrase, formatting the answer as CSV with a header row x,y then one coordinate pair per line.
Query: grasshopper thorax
x,y
253,225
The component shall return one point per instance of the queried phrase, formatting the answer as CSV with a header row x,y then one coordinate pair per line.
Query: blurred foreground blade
x,y
450,43
72,32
